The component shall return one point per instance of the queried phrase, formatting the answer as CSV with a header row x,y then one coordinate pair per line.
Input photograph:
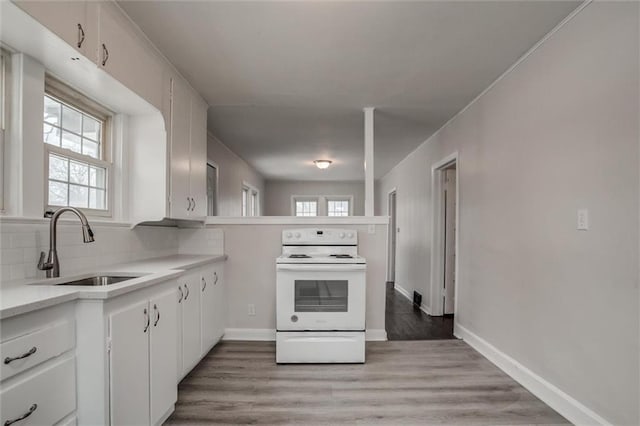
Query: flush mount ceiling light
x,y
322,164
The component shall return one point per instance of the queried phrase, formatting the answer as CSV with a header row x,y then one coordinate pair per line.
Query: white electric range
x,y
320,297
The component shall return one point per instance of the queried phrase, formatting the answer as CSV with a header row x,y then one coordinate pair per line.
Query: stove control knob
x,y
294,318
297,235
289,235
350,235
342,235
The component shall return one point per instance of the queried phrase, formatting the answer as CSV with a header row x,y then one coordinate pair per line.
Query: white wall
x,y
277,200
232,172
558,133
250,273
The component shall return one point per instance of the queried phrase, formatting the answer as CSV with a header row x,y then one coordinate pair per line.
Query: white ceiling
x,y
287,81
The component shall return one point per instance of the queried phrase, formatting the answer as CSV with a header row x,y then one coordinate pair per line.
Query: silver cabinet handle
x,y
31,351
204,283
146,315
194,204
80,36
215,278
155,308
105,54
188,204
33,408
181,294
186,289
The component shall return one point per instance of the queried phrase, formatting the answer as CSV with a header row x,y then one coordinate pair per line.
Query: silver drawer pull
x,y
33,408
9,359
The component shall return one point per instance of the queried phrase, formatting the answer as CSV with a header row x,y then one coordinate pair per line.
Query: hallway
x,y
405,322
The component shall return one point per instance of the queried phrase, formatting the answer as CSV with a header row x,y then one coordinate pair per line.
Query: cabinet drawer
x,y
49,395
29,350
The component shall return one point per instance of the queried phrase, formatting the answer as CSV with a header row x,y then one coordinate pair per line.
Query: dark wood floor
x,y
406,322
419,382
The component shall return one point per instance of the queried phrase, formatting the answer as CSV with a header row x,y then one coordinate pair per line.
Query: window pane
x,y
51,111
57,193
90,148
97,177
338,208
71,120
97,199
79,173
58,168
306,208
78,196
71,141
91,128
51,135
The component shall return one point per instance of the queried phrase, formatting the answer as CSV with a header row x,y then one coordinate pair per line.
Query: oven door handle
x,y
321,268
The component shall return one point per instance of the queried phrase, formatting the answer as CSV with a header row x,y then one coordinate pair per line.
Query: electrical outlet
x,y
583,220
252,310
372,229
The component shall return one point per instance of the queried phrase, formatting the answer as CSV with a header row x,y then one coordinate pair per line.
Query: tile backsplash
x,y
22,242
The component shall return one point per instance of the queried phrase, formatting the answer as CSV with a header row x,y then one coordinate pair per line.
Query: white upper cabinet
x,y
72,21
188,153
126,56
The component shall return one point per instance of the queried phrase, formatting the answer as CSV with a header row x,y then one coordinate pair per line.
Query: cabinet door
x,y
198,157
129,365
179,299
180,149
63,18
190,322
126,56
220,307
207,304
163,354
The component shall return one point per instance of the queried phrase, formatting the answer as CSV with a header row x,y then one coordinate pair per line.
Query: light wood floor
x,y
402,382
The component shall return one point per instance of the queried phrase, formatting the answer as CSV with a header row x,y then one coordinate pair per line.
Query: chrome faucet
x,y
52,265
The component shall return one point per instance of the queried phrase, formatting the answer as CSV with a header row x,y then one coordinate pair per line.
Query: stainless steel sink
x,y
99,280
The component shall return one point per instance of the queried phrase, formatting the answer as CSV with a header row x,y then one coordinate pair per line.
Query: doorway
x,y
391,250
212,189
444,256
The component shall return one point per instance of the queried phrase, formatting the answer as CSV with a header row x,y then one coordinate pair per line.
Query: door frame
x,y
437,231
215,166
391,233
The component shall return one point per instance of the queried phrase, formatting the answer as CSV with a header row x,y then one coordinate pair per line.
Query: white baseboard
x,y
259,334
269,334
408,295
572,409
375,335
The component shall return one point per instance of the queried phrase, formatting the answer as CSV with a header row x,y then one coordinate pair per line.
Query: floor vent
x,y
417,299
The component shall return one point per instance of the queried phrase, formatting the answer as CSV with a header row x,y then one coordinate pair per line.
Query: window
x,y
338,207
75,134
250,201
308,207
5,59
212,190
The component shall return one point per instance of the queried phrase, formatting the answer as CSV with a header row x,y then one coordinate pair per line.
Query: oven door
x,y
321,297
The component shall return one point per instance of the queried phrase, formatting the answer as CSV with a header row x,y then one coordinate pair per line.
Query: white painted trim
x,y
563,403
293,220
437,246
30,220
389,231
258,334
535,47
424,308
269,334
375,335
369,176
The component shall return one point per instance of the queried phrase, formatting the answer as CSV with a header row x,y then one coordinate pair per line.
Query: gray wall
x,y
558,133
278,194
233,171
251,276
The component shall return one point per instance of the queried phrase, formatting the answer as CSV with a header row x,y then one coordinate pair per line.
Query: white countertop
x,y
27,295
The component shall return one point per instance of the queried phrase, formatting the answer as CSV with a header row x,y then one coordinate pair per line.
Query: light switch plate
x,y
583,220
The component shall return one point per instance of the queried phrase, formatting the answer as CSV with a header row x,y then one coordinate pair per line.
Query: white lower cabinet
x,y
189,310
143,360
38,381
212,306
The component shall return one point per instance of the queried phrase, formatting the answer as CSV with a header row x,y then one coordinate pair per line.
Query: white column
x,y
369,180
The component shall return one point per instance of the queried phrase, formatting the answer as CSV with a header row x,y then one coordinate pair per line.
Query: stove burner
x,y
299,256
342,256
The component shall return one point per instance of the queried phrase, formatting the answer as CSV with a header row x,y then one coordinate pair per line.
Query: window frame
x,y
249,206
72,98
347,198
5,108
304,198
